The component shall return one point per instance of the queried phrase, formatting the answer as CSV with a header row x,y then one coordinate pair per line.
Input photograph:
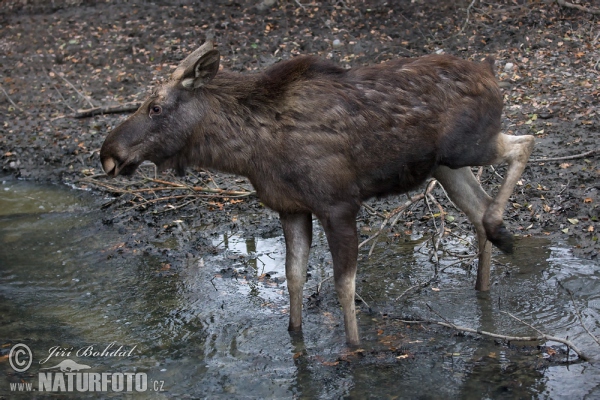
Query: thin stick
x,y
523,322
146,202
300,4
578,7
397,210
363,300
440,231
321,283
372,211
170,186
222,192
578,313
468,14
61,96
417,286
9,99
75,89
59,93
541,337
573,157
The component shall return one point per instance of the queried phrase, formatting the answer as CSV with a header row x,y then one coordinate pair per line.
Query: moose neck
x,y
233,127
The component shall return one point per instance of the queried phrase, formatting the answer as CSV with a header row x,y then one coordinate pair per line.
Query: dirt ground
x,y
60,56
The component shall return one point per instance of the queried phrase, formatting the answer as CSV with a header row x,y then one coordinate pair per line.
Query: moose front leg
x,y
340,227
297,230
514,150
467,194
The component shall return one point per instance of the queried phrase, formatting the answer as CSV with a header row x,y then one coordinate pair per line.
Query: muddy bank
x,y
57,60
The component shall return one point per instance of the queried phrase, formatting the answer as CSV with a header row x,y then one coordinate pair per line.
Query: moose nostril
x,y
109,165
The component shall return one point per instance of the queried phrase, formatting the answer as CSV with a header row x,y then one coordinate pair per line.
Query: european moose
x,y
315,138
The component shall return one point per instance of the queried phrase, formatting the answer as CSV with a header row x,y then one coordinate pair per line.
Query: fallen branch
x,y
508,338
121,108
573,157
566,4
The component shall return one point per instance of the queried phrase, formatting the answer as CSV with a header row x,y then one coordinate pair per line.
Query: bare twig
x,y
221,192
389,215
573,157
372,211
319,284
146,192
508,338
363,300
150,201
86,98
61,96
417,287
523,322
59,93
9,99
566,4
168,186
579,314
300,4
468,14
122,108
440,230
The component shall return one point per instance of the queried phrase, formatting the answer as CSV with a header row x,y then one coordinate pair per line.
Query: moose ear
x,y
205,70
198,68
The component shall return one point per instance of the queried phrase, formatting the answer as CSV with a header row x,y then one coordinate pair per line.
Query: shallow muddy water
x,y
217,327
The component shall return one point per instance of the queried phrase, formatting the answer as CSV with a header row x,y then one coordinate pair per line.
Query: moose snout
x,y
109,165
119,162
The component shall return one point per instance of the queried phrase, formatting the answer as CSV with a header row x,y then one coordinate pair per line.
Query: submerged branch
x,y
578,313
540,337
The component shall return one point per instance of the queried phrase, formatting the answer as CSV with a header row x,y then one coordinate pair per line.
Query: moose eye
x,y
155,110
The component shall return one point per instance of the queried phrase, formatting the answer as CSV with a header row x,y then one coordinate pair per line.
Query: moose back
x,y
318,139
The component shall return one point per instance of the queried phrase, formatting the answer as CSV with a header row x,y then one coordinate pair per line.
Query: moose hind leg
x,y
297,230
514,150
467,194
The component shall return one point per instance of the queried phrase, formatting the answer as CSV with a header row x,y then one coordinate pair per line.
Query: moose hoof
x,y
294,328
502,239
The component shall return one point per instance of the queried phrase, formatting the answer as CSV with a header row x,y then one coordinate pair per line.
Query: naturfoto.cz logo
x,y
72,376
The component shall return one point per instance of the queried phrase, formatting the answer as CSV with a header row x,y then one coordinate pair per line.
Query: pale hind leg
x,y
514,150
466,193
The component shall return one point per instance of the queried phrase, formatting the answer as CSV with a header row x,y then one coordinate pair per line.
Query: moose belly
x,y
395,179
